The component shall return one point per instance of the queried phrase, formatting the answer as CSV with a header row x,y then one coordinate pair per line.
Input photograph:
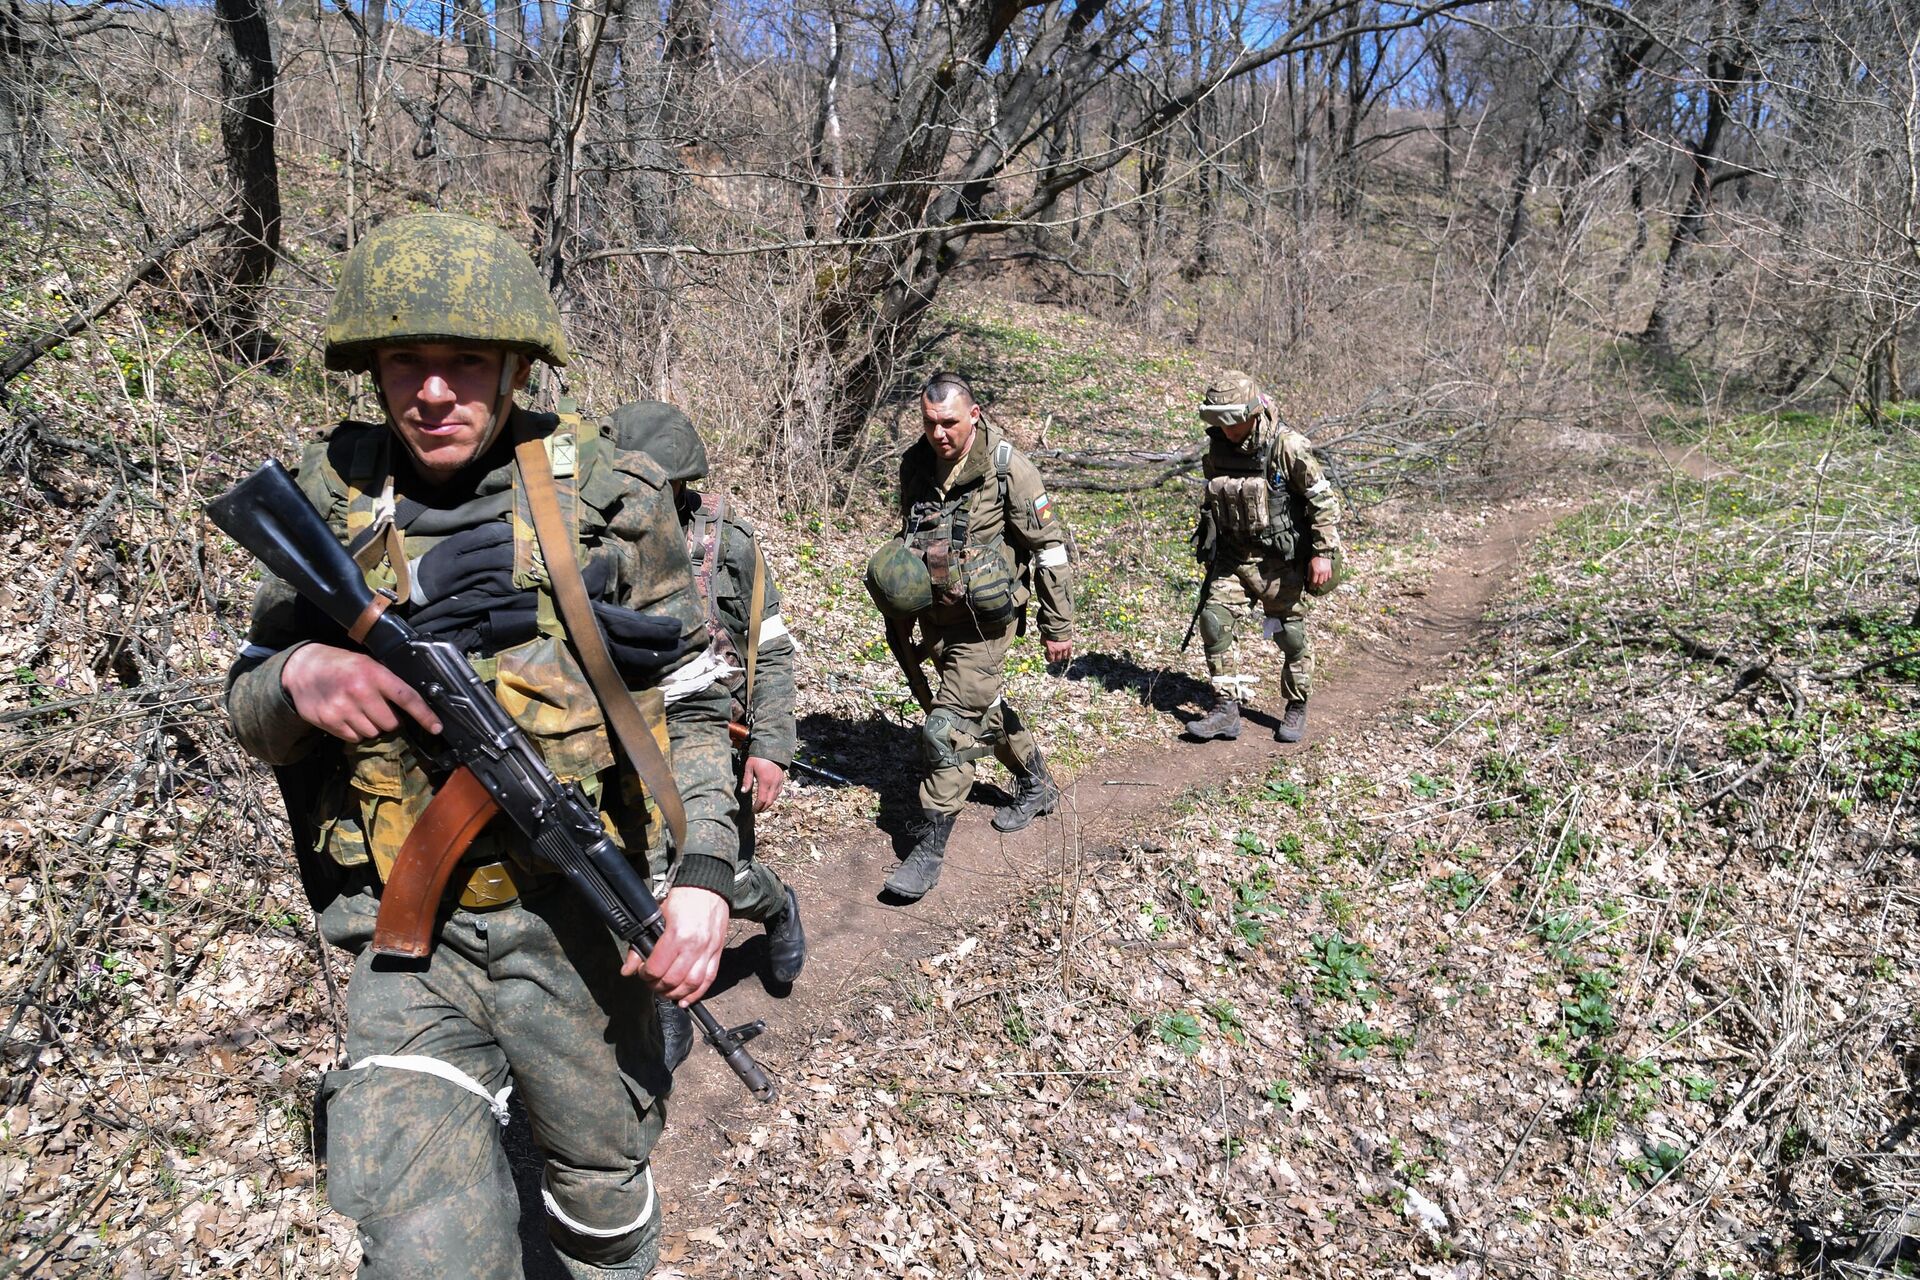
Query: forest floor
x,y
1577,940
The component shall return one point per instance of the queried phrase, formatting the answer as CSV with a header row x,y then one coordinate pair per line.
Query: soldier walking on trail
x,y
742,610
1268,535
453,504
980,539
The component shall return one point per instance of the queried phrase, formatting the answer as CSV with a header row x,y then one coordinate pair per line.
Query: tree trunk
x,y
20,101
470,26
1726,74
826,150
230,301
1449,112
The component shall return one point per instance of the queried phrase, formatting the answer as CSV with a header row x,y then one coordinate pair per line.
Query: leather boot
x,y
1034,794
786,942
921,870
1293,725
676,1033
1221,721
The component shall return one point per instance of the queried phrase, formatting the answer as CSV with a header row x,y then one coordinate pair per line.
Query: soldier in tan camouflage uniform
x,y
1269,535
978,522
524,987
739,597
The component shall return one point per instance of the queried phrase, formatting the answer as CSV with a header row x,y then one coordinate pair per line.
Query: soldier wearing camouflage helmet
x,y
981,538
742,609
524,989
1268,536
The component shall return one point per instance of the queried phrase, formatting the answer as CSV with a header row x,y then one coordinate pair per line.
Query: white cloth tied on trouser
x,y
697,676
496,1102
598,1233
1272,627
1237,687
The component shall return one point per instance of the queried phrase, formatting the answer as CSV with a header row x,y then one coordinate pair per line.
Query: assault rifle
x,y
484,760
1206,550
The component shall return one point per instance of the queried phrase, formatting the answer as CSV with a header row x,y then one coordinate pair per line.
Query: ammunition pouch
x,y
1239,508
992,586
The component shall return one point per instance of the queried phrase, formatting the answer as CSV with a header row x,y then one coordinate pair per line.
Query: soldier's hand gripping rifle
x,y
493,766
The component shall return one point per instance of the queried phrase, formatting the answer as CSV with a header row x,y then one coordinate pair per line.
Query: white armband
x,y
771,629
1320,487
1054,557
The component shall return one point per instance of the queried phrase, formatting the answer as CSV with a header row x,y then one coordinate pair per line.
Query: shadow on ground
x,y
1172,693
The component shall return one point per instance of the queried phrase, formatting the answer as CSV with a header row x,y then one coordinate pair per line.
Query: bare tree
x,y
228,295
20,101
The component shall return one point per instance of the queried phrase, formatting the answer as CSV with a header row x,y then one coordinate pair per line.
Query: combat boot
x,y
1293,725
676,1033
921,871
1034,794
1221,721
786,942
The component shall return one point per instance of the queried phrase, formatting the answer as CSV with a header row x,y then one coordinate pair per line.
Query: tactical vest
x,y
1251,505
383,789
976,569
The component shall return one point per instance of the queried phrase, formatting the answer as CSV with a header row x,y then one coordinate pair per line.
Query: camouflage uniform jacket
x,y
1311,513
348,803
1024,530
724,551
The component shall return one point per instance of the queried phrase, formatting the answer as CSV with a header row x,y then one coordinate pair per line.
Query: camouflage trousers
x,y
528,993
968,713
758,894
1277,589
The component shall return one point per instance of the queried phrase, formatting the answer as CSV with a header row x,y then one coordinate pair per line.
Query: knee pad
x,y
1216,628
949,739
1290,634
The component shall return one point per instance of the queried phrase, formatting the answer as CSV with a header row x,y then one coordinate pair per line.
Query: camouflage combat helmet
x,y
898,581
1234,398
663,433
438,277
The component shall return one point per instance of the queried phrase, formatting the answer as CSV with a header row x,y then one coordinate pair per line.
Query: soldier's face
x,y
1235,432
442,397
948,425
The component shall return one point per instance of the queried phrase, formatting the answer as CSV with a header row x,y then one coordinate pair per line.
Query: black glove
x,y
471,600
642,643
1205,539
476,559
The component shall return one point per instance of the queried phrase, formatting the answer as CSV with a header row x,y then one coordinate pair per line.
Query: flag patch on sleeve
x,y
1043,509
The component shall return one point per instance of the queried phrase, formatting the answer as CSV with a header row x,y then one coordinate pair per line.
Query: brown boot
x,y
1293,725
1221,721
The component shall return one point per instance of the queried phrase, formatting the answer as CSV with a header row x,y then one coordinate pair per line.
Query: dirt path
x,y
854,938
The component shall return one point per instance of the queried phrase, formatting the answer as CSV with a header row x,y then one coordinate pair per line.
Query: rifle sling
x,y
583,630
410,899
756,614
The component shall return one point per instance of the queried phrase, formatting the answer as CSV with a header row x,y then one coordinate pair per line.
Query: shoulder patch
x,y
1043,509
